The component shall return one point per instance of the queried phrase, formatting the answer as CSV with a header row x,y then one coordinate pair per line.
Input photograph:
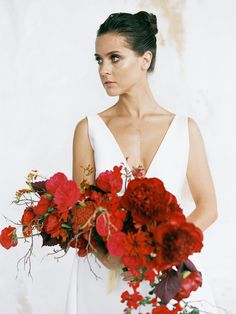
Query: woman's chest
x,y
138,141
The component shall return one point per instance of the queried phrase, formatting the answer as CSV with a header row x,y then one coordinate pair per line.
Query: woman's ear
x,y
146,60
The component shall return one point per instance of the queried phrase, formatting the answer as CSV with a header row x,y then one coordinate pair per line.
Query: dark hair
x,y
139,29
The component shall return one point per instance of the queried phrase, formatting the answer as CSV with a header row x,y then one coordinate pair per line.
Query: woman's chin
x,y
112,93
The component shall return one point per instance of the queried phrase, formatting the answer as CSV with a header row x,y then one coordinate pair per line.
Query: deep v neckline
x,y
157,152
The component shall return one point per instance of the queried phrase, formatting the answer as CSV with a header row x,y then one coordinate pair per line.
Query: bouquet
x,y
145,227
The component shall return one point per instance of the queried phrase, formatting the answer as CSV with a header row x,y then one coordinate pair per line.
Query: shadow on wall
x,y
173,13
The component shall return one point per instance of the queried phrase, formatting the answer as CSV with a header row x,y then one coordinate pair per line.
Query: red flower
x,y
55,181
107,224
189,284
131,299
110,181
28,216
177,243
66,195
27,221
81,244
52,225
147,199
161,310
42,207
150,275
115,244
81,215
136,249
8,237
176,215
164,310
138,172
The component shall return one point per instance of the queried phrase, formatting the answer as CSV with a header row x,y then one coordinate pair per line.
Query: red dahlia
x,y
176,243
147,199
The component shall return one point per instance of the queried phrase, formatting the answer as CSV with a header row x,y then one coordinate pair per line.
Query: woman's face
x,y
117,64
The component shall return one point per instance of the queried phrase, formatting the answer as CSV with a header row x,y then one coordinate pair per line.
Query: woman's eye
x,y
113,57
98,60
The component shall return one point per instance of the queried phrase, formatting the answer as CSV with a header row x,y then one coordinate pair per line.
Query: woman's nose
x,y
105,68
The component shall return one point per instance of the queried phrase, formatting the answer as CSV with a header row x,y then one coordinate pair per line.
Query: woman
x,y
137,131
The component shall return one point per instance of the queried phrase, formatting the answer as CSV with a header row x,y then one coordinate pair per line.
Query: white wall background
x,y
49,81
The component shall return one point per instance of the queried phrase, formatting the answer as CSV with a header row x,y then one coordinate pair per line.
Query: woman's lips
x,y
109,83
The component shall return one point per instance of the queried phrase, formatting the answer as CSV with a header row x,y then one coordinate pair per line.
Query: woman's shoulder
x,y
193,126
81,127
195,135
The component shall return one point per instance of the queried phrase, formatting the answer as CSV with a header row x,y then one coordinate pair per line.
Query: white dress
x,y
88,295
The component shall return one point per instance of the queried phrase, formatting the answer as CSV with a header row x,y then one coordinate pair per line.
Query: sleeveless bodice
x,y
168,164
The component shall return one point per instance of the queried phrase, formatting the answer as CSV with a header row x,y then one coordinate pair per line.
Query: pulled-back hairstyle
x,y
139,29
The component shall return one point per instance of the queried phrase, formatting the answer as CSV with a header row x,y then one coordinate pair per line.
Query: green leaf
x,y
195,311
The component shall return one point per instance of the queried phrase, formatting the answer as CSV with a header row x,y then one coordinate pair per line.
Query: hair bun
x,y
150,18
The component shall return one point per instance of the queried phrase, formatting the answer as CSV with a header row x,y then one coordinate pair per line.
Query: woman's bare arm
x,y
82,157
200,180
82,152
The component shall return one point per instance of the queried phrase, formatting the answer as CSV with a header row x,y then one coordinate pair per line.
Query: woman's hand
x,y
109,261
113,262
127,276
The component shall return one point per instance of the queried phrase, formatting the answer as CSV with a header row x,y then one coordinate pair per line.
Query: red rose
x,y
147,199
110,181
55,181
108,224
115,244
8,237
52,225
42,207
189,284
177,243
66,195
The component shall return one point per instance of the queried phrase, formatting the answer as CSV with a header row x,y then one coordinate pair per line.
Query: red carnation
x,y
147,199
177,243
42,207
110,181
66,195
52,225
55,181
8,237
